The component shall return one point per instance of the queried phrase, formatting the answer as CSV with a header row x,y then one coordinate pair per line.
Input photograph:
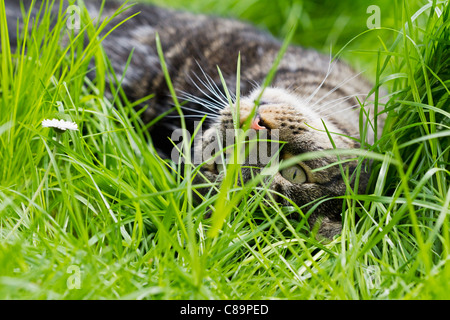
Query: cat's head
x,y
299,127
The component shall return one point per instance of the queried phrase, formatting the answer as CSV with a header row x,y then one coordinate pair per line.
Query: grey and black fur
x,y
305,89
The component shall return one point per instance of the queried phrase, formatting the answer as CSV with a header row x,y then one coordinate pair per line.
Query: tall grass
x,y
99,201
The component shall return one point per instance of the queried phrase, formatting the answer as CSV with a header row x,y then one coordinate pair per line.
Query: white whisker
x,y
207,87
198,116
255,85
201,101
335,88
202,112
342,110
330,69
320,109
212,87
212,114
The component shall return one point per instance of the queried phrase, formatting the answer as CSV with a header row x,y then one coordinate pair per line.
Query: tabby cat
x,y
307,92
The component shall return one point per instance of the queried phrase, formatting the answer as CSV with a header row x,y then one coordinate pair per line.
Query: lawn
x,y
96,214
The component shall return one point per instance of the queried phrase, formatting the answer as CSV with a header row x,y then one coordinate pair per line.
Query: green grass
x,y
100,200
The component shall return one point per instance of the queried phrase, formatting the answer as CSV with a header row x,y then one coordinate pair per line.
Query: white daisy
x,y
59,124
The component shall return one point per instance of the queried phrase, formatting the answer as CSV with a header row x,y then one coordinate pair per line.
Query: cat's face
x,y
284,116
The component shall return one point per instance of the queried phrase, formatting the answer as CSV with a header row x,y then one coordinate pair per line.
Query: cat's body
x,y
305,90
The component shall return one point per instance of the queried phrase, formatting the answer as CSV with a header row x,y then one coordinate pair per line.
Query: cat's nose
x,y
256,123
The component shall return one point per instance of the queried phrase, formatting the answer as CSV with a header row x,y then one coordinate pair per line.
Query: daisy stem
x,y
58,137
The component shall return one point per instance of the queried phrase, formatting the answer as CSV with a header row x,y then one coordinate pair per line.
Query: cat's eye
x,y
294,174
